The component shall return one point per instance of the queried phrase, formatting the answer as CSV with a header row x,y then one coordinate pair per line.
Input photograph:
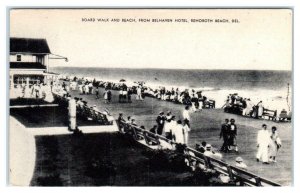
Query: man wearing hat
x,y
160,120
225,135
263,143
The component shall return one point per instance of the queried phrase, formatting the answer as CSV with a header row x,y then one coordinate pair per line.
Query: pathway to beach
x,y
205,125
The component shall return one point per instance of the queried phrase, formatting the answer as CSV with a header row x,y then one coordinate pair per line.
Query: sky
x,y
259,40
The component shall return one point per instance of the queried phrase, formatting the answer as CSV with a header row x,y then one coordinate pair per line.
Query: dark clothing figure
x,y
97,92
225,135
109,96
160,120
169,135
244,103
154,129
129,93
120,121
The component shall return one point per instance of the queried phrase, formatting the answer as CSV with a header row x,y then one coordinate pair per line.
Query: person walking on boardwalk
x,y
90,88
139,93
109,96
232,135
186,115
225,135
97,91
274,145
129,93
263,143
105,96
186,129
160,120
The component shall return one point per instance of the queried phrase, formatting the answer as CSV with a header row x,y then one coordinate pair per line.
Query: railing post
x,y
207,162
229,170
146,138
157,139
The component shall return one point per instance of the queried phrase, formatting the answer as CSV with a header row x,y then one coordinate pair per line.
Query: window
x,y
32,79
18,57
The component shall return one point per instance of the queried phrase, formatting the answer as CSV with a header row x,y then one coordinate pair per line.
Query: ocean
x,y
269,86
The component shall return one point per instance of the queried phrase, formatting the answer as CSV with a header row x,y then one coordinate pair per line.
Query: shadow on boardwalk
x,y
108,159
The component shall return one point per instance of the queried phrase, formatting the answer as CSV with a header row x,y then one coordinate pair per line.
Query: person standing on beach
x,y
139,93
232,135
225,135
274,145
263,143
160,120
186,115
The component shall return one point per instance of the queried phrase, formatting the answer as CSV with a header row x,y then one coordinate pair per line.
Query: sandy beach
x,y
205,125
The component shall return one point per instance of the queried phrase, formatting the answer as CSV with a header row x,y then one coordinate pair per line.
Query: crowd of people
x,y
168,126
187,96
83,110
243,106
37,91
268,143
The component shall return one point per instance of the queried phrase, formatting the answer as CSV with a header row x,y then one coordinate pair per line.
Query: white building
x,y
29,62
29,59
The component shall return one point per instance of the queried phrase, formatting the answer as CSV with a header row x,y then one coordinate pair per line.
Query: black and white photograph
x,y
150,97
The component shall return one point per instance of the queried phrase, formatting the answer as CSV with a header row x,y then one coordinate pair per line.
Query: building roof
x,y
29,45
27,65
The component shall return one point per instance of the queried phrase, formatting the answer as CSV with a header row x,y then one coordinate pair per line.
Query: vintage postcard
x,y
150,97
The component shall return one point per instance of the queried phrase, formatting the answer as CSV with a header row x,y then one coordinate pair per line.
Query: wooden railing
x,y
196,158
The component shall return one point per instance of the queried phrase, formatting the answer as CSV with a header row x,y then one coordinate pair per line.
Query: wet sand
x,y
205,125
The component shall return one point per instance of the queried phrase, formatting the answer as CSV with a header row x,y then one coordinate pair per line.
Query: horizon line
x,y
169,68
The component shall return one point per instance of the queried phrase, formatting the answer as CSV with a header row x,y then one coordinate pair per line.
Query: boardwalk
x,y
206,126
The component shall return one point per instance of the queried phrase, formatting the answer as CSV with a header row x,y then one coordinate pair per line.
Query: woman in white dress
x,y
80,89
260,109
178,133
48,94
186,129
105,96
274,145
